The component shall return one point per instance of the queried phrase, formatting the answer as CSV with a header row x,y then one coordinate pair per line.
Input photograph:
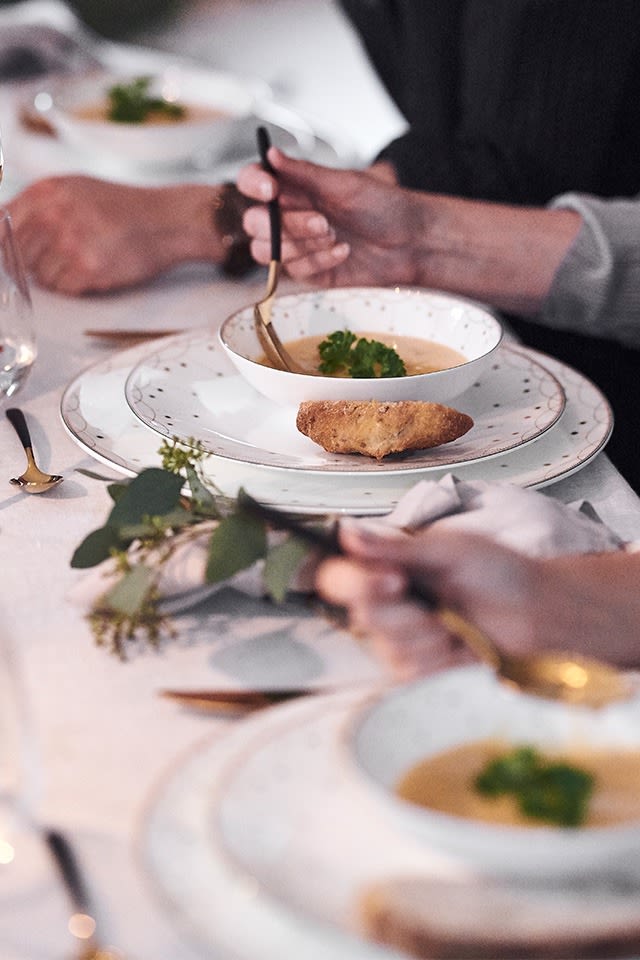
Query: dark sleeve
x,y
518,100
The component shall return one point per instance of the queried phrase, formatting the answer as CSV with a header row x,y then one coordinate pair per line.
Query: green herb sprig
x,y
343,352
556,793
150,519
132,103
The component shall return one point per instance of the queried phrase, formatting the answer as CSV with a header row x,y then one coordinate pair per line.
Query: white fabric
x,y
525,520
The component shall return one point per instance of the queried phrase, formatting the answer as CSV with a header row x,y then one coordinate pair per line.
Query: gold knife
x,y
125,334
235,701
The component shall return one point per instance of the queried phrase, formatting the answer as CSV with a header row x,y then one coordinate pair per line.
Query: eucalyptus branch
x,y
151,518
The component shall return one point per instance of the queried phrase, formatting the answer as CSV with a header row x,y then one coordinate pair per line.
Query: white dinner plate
x,y
215,903
263,841
97,417
188,388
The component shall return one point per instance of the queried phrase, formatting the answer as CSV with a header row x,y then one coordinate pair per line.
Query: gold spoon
x,y
82,923
275,351
33,480
554,675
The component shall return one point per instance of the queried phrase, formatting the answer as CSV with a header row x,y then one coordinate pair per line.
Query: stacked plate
x,y
535,421
267,843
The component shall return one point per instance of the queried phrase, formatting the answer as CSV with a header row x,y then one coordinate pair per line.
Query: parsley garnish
x,y
131,103
554,792
343,352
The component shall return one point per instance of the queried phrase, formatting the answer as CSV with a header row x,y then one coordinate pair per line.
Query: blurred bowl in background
x,y
214,103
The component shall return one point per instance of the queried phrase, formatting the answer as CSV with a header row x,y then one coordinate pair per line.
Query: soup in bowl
x,y
468,764
443,344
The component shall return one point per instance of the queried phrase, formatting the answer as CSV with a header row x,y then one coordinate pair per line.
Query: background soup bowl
x,y
393,732
464,326
220,102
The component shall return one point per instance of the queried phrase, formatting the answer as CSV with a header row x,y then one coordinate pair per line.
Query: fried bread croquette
x,y
377,429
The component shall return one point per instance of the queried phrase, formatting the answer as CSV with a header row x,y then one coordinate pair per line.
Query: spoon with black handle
x,y
274,349
33,480
554,675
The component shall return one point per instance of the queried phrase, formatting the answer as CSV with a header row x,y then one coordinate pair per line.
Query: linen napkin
x,y
525,520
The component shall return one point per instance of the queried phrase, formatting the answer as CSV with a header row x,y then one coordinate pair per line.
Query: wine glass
x,y
17,332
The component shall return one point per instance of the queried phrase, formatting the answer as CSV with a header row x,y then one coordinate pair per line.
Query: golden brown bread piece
x,y
437,919
376,428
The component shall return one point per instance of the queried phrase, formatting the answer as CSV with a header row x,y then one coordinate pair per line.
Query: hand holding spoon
x,y
33,480
555,675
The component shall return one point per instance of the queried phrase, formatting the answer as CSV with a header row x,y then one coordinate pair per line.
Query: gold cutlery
x,y
555,675
35,120
274,349
235,701
33,480
125,335
82,923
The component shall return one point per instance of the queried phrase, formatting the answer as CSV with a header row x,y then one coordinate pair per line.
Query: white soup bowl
x,y
456,323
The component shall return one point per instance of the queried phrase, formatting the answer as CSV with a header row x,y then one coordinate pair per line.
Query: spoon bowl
x,y
33,480
274,349
554,675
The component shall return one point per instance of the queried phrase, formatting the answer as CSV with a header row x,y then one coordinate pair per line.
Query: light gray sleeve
x,y
596,289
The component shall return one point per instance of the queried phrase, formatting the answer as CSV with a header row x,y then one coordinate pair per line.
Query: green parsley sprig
x,y
151,518
132,103
343,352
556,793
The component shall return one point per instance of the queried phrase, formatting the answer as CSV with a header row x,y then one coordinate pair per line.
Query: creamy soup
x,y
445,782
419,355
193,113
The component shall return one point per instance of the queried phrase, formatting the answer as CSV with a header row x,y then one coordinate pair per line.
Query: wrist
x,y
384,171
506,256
204,223
228,208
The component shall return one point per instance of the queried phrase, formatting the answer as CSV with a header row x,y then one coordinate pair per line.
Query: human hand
x,y
340,227
582,603
81,235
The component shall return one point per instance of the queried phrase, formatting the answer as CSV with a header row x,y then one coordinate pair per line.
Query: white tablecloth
x,y
102,736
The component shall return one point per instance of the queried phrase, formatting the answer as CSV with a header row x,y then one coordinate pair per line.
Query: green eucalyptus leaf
x,y
175,520
130,593
281,565
116,490
203,500
154,492
236,543
95,548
